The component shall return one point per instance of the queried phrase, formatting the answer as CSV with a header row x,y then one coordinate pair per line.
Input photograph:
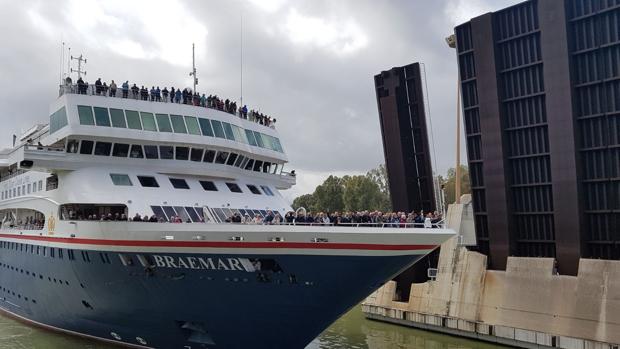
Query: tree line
x,y
349,193
367,192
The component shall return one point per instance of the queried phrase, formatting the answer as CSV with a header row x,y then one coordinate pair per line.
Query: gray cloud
x,y
308,63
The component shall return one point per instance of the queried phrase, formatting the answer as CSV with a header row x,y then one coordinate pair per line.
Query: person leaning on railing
x,y
185,96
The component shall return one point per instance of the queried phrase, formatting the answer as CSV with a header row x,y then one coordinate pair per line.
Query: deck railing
x,y
90,90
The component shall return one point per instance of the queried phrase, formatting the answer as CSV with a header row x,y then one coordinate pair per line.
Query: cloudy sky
x,y
309,63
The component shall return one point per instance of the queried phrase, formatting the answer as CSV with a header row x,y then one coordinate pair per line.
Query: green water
x,y
352,331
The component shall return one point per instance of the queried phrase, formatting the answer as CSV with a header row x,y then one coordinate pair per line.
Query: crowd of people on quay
x,y
360,218
165,95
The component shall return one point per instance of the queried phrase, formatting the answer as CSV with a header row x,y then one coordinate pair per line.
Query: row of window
x,y
179,183
24,189
168,152
58,120
200,215
119,118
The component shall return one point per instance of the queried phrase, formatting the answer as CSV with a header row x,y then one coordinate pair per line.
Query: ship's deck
x,y
212,102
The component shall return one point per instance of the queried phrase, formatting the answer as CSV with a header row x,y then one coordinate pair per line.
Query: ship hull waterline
x,y
160,299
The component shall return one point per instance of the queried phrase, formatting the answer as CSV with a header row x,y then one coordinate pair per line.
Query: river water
x,y
352,331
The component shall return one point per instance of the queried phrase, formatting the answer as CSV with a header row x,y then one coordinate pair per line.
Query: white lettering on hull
x,y
200,263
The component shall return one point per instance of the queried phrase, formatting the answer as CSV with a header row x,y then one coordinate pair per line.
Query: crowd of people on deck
x,y
30,223
360,218
155,94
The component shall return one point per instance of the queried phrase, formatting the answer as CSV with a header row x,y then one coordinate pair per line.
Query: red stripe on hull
x,y
224,244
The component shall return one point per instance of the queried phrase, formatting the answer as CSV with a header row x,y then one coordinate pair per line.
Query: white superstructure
x,y
150,158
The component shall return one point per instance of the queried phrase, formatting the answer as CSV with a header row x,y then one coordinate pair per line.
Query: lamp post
x,y
451,41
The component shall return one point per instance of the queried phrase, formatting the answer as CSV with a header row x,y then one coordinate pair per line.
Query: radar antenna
x,y
79,70
193,72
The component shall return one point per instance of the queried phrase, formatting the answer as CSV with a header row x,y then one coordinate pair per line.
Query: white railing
x,y
436,225
91,90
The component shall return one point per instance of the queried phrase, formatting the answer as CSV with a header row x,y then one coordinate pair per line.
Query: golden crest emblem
x,y
51,224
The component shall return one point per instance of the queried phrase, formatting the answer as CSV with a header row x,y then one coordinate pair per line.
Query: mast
x,y
241,60
193,73
79,70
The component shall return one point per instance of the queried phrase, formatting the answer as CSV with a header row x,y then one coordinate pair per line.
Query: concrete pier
x,y
527,306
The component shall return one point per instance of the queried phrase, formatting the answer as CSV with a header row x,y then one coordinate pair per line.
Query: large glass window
x,y
148,181
102,117
163,122
221,157
182,153
178,183
178,125
267,190
239,134
208,185
259,139
277,145
233,187
182,214
85,113
250,135
151,152
196,154
87,147
169,211
228,131
231,159
192,125
258,165
159,213
120,150
133,119
192,214
72,146
205,125
58,120
103,148
166,152
239,160
218,130
254,189
121,179
118,118
209,156
136,152
148,121
249,164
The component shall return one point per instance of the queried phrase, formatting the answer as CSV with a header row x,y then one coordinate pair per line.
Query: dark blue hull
x,y
197,301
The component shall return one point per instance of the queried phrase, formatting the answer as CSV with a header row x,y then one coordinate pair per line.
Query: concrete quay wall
x,y
526,304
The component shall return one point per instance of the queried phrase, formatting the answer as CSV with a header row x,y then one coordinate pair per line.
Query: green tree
x,y
368,192
306,201
380,177
361,193
328,196
449,183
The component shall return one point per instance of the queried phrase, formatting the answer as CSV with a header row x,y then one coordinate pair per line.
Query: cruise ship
x,y
73,258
